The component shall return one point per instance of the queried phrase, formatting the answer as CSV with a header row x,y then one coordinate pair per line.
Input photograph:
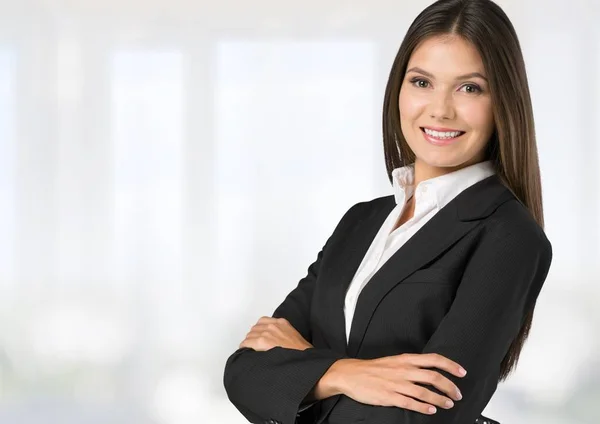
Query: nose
x,y
441,106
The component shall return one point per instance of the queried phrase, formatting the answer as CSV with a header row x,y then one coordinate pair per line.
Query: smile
x,y
441,137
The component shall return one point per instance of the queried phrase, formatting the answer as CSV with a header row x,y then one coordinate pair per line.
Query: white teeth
x,y
437,134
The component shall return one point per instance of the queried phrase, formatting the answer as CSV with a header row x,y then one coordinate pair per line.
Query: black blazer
x,y
460,287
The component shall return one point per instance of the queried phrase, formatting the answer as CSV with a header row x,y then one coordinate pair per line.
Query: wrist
x,y
334,380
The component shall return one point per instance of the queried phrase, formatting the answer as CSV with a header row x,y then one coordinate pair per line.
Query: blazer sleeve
x,y
271,385
500,284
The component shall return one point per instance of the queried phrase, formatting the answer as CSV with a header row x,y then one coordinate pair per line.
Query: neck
x,y
424,171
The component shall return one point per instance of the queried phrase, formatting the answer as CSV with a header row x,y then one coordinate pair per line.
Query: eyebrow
x,y
462,77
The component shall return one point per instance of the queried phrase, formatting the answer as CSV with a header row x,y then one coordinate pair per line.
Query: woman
x,y
419,303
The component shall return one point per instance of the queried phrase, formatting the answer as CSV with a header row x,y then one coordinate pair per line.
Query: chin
x,y
440,161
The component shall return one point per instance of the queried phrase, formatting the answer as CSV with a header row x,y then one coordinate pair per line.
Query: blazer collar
x,y
452,222
482,199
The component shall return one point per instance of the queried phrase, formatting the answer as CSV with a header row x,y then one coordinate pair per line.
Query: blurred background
x,y
169,169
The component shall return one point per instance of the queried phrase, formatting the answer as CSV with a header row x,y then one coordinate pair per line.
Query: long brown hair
x,y
512,147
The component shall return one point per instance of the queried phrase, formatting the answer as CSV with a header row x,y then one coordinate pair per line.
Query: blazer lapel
x,y
355,246
446,227
424,246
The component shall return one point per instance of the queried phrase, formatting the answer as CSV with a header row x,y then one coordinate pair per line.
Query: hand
x,y
269,332
390,381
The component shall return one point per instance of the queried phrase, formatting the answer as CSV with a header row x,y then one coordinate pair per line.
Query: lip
x,y
440,129
438,142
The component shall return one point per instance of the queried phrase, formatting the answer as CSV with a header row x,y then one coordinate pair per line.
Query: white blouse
x,y
430,196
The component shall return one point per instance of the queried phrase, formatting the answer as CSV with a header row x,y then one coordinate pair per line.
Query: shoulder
x,y
368,207
364,211
512,225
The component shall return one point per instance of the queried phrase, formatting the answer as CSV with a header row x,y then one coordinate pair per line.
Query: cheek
x,y
478,115
410,105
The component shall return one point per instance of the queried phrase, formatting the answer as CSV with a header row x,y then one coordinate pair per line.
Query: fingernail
x,y
449,404
458,394
432,410
462,371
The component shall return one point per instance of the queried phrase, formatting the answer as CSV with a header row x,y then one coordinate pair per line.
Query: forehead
x,y
447,55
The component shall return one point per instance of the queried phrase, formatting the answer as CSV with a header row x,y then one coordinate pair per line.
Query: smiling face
x,y
445,106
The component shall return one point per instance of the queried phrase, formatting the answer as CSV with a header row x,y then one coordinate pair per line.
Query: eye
x,y
419,82
472,88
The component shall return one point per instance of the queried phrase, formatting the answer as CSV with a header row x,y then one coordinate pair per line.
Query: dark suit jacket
x,y
460,287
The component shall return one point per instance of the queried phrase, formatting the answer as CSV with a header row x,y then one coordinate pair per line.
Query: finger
x,y
261,337
425,395
253,335
406,402
266,320
266,329
433,360
435,379
258,328
277,321
246,343
271,325
257,343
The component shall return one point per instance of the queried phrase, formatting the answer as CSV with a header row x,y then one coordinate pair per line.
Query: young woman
x,y
420,302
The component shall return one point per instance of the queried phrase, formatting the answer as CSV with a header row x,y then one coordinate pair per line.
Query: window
x,y
147,133
294,138
7,166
